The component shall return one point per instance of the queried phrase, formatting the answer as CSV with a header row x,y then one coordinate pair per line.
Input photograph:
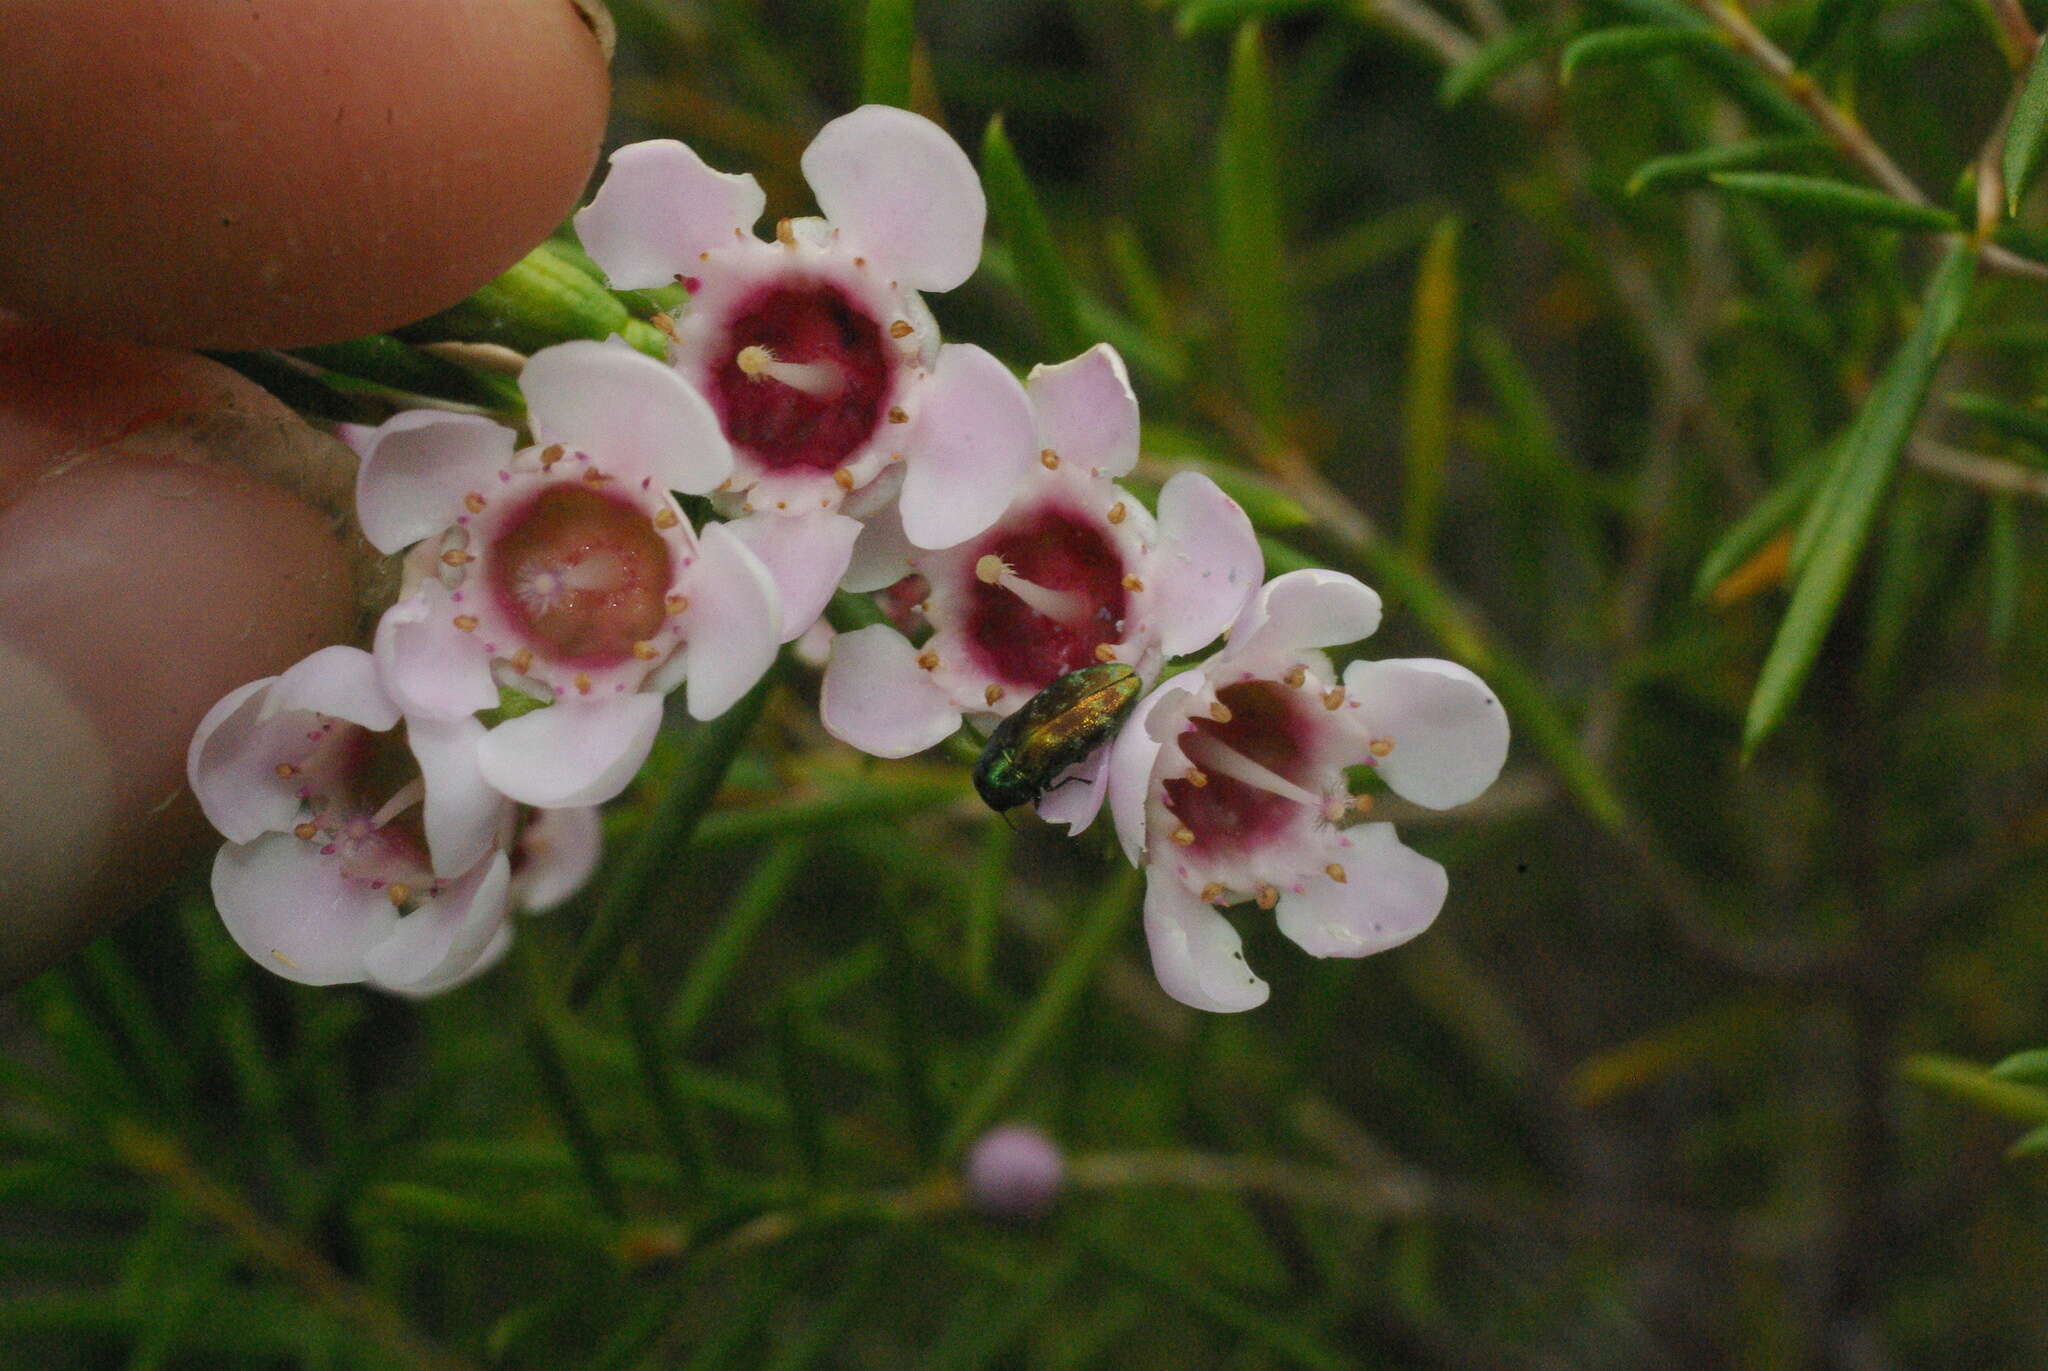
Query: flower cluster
x,y
385,811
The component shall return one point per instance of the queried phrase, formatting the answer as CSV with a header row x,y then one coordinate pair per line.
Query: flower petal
x,y
972,444
441,941
295,912
881,555
1313,608
432,668
464,814
733,624
1390,893
338,681
1076,797
1131,759
658,208
571,753
878,699
1196,954
558,850
635,416
416,468
230,772
1449,731
1209,562
1087,412
807,554
899,186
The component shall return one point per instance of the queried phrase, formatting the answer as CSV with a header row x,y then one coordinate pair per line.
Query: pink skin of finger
x,y
166,533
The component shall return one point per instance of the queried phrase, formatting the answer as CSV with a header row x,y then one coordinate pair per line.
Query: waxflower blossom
x,y
1014,1172
1228,784
1074,572
564,572
815,350
352,856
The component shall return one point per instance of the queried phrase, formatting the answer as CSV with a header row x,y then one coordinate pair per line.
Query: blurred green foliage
x,y
1702,393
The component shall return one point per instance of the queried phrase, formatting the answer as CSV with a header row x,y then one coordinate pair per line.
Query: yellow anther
x,y
676,604
1295,676
994,694
1049,459
1335,873
550,455
1183,836
1105,652
1380,747
1117,512
306,832
1132,583
898,415
666,517
466,622
784,234
1333,698
1196,777
1268,897
582,683
901,329
843,479
645,650
1213,893
522,660
455,556
473,502
1219,711
667,326
928,660
285,771
398,892
1362,804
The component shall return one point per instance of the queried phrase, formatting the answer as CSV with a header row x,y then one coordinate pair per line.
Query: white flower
x,y
565,571
351,860
1074,572
1228,785
815,350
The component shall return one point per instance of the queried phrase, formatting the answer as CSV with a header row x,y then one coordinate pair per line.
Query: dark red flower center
x,y
1268,726
582,574
1057,551
822,420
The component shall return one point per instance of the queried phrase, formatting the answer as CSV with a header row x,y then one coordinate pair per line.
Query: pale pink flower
x,y
565,571
1074,572
1228,784
350,858
815,349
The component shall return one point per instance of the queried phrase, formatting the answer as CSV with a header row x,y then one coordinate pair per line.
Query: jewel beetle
x,y
1052,730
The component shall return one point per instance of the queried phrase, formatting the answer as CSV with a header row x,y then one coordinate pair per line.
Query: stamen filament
x,y
1219,759
409,794
1062,606
819,380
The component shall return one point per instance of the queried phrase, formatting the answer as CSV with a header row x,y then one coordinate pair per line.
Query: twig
x,y
1990,473
163,1159
1844,128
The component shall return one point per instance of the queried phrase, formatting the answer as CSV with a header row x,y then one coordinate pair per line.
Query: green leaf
x,y
1843,517
2028,1068
1100,928
1251,252
718,957
2023,422
1758,525
1833,200
1634,43
2031,1144
1212,16
2026,134
1494,59
1971,1083
578,1129
1429,398
887,40
1681,168
1021,223
545,297
625,904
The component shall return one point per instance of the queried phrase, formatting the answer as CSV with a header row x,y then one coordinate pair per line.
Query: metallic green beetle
x,y
1052,730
